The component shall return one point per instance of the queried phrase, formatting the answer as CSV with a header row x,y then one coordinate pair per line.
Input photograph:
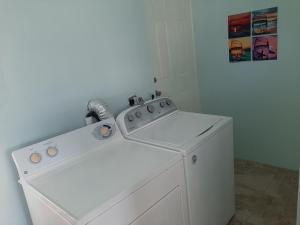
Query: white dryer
x,y
94,176
206,142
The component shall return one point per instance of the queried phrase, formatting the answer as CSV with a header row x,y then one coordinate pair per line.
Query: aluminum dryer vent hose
x,y
99,107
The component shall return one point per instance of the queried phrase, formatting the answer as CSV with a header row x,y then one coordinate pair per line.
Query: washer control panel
x,y
142,115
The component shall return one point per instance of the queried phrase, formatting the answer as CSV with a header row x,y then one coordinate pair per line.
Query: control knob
x,y
162,104
105,130
138,114
130,118
52,151
168,102
150,108
35,157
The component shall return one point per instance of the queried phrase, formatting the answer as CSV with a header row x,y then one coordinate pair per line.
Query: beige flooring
x,y
265,195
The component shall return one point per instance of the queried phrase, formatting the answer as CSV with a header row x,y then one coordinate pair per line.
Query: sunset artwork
x,y
253,35
239,25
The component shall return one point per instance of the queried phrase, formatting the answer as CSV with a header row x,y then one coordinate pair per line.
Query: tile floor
x,y
265,195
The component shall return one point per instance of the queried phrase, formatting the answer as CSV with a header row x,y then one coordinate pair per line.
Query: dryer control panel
x,y
139,116
35,158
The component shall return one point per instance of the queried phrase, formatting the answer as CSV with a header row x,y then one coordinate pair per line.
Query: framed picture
x,y
253,35
240,49
264,21
264,48
239,25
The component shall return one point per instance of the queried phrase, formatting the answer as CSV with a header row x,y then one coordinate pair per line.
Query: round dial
x,y
162,104
168,102
138,114
130,118
105,131
150,108
35,157
52,151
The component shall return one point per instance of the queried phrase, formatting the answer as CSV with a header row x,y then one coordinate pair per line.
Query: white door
x,y
172,41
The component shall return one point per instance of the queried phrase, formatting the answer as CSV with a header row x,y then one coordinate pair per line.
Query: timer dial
x,y
35,157
105,131
52,151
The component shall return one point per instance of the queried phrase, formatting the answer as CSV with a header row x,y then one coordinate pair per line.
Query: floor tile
x,y
265,195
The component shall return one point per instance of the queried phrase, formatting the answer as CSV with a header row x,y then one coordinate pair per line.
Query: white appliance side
x,y
210,179
41,213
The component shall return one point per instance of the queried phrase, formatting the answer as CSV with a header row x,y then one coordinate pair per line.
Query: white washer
x,y
94,176
206,142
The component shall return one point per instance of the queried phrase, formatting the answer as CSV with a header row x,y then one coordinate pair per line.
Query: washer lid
x,y
102,178
176,129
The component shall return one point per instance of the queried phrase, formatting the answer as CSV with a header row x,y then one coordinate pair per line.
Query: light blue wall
x,y
263,97
54,57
